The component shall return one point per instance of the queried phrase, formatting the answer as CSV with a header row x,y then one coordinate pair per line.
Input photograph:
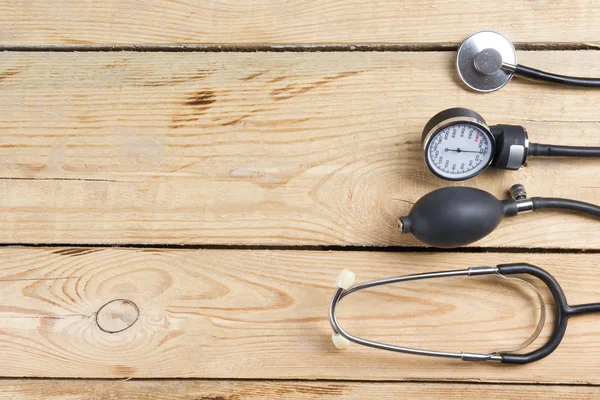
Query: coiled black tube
x,y
536,74
540,203
550,150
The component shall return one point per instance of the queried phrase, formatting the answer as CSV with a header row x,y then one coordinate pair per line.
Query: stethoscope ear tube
x,y
342,338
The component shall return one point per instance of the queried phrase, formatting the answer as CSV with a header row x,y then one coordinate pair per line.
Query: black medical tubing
x,y
550,150
540,203
538,75
563,312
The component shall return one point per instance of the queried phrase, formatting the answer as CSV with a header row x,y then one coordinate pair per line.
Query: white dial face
x,y
459,151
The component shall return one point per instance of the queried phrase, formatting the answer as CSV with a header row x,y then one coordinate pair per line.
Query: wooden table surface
x,y
181,181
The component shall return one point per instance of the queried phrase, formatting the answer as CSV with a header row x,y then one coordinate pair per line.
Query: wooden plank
x,y
267,148
233,390
117,313
312,21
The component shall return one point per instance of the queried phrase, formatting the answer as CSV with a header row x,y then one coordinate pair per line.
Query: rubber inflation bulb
x,y
345,279
339,341
453,217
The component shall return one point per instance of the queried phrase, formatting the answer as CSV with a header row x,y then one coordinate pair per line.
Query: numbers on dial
x,y
459,151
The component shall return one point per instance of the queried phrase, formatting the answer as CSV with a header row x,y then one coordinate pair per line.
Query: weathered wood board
x,y
308,22
263,315
277,390
282,124
265,148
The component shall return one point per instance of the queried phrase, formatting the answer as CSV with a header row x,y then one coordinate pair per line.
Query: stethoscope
x,y
342,338
458,144
456,216
487,60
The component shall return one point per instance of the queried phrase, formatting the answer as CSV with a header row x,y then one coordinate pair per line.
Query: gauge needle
x,y
461,151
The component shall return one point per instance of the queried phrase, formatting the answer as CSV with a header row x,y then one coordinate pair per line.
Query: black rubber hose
x,y
563,309
550,150
536,74
561,316
540,203
584,309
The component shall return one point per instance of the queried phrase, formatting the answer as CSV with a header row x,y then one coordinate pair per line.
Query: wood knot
x,y
117,315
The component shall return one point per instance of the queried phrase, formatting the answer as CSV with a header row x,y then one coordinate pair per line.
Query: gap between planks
x,y
193,389
278,48
313,248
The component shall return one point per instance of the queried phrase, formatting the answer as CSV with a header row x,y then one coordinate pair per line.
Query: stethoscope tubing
x,y
539,75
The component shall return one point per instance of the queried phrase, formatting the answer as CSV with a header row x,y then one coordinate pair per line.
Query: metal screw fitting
x,y
518,192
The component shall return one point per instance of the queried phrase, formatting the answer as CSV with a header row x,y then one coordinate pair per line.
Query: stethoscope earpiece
x,y
344,281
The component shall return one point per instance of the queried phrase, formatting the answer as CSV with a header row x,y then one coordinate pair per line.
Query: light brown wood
x,y
265,148
309,21
234,390
263,314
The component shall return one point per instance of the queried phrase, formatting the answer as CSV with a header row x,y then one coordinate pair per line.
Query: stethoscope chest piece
x,y
486,61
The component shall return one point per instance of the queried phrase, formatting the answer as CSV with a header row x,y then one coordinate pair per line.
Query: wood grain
x,y
308,21
264,148
235,390
263,315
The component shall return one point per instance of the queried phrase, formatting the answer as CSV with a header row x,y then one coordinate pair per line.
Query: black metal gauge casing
x,y
458,144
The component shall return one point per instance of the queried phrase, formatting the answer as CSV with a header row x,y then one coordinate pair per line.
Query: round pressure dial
x,y
458,144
